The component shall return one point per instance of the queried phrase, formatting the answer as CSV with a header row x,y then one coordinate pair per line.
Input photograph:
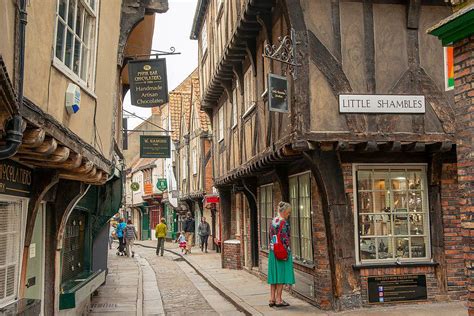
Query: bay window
x,y
392,213
300,219
266,213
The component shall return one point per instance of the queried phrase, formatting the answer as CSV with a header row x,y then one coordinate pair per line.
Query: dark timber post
x,y
339,221
250,192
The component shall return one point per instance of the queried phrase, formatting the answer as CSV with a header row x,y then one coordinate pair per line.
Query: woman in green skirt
x,y
280,272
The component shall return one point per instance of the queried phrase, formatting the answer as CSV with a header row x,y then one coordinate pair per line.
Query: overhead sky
x,y
171,29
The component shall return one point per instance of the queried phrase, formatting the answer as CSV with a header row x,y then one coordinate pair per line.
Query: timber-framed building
x,y
373,194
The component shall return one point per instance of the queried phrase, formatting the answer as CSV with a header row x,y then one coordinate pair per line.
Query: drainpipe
x,y
14,125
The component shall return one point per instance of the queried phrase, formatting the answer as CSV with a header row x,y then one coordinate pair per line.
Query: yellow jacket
x,y
160,230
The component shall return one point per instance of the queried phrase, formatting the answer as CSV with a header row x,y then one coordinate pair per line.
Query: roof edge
x,y
198,18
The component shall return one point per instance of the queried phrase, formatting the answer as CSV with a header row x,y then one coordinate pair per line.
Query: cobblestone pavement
x,y
155,285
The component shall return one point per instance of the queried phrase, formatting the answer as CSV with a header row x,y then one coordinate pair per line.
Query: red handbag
x,y
278,248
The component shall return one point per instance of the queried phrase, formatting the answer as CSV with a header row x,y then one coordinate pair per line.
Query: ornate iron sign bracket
x,y
285,52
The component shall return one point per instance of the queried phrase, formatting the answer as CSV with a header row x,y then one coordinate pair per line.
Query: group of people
x,y
126,234
186,237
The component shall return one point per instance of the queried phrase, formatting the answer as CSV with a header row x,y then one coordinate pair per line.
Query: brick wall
x,y
464,111
455,270
231,258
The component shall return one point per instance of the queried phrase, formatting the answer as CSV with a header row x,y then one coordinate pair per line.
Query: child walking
x,y
182,241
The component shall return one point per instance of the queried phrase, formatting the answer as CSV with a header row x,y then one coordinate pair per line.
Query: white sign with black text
x,y
378,103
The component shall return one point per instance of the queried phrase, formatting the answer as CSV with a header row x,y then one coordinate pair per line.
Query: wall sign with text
x,y
397,288
378,103
155,146
277,93
15,179
148,82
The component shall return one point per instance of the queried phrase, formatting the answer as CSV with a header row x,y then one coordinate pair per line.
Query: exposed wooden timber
x,y
33,137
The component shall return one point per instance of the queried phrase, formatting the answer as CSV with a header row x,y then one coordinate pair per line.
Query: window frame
x,y
183,167
204,40
88,84
422,168
264,235
24,207
234,108
296,209
220,123
195,171
249,89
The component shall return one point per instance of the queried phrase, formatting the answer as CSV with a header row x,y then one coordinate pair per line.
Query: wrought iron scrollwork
x,y
285,52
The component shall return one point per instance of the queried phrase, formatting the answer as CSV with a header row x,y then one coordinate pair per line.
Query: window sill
x,y
59,66
394,264
249,110
302,264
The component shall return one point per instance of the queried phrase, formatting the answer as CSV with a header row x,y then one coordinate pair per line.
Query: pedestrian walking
x,y
160,233
189,229
130,236
204,230
112,235
120,235
280,261
182,241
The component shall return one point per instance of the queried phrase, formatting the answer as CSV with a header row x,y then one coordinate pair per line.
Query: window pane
x,y
364,180
417,224
402,246
418,247
380,202
71,13
385,249
380,180
69,49
383,225
414,180
62,9
365,202
367,249
399,201
400,224
60,40
77,56
79,22
366,225
305,217
295,233
399,180
415,201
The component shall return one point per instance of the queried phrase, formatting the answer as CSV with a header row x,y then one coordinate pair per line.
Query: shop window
x,y
75,36
300,220
10,245
392,213
266,214
73,262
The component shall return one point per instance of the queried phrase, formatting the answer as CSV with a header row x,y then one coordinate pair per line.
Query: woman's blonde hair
x,y
283,206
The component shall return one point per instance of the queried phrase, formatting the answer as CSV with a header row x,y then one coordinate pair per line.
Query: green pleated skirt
x,y
280,271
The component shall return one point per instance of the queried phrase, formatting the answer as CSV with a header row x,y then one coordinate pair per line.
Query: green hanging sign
x,y
135,186
162,184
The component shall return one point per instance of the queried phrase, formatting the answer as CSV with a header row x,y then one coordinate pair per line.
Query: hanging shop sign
x,y
378,103
278,93
135,186
212,199
449,68
155,146
148,82
15,179
162,184
397,288
148,188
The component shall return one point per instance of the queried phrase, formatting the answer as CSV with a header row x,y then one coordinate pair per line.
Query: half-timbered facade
x,y
194,157
373,193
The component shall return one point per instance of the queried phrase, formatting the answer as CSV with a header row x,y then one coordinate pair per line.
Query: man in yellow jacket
x,y
160,233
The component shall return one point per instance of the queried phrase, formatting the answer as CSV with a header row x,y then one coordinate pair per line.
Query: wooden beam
x,y
369,146
415,147
439,147
391,146
33,137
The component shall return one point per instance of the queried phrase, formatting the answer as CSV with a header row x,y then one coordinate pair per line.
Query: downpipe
x,y
14,133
